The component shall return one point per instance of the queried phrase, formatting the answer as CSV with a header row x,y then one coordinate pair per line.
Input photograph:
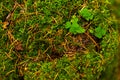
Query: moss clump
x,y
35,43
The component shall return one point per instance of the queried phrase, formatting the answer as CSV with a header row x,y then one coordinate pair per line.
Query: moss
x,y
36,45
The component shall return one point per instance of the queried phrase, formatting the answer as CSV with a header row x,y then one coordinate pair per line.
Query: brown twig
x,y
92,40
6,23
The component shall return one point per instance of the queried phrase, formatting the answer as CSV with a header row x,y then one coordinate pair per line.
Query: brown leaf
x,y
18,46
5,24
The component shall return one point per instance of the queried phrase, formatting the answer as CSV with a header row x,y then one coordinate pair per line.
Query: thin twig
x,y
92,40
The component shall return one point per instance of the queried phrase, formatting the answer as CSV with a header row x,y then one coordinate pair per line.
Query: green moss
x,y
37,44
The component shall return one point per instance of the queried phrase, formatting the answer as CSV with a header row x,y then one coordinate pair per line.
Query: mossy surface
x,y
56,40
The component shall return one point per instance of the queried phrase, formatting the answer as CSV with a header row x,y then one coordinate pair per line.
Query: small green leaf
x,y
75,19
80,30
73,30
85,13
100,32
91,30
68,25
73,26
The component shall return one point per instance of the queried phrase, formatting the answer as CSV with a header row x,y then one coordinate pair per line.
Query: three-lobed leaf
x,y
68,25
73,26
100,32
86,14
80,30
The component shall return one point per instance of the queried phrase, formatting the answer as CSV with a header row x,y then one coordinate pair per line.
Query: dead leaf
x,y
5,24
18,46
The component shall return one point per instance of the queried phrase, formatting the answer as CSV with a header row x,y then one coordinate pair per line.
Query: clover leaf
x,y
68,25
73,26
80,30
86,14
100,32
